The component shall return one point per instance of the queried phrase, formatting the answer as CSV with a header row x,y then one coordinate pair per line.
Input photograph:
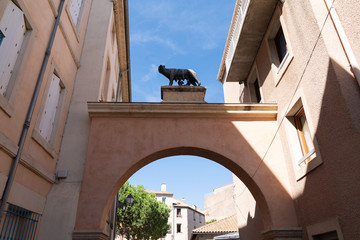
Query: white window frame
x,y
7,100
75,15
293,141
49,144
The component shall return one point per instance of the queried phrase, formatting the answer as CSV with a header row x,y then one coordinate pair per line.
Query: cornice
x,y
183,110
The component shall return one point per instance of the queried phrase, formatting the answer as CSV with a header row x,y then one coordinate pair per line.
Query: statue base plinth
x,y
183,94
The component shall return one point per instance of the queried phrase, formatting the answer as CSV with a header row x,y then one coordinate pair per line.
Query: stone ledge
x,y
294,233
189,110
184,94
89,235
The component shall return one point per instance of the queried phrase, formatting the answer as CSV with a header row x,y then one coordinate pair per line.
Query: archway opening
x,y
202,180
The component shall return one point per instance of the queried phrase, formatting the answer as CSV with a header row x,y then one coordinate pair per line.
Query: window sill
x,y
6,106
304,170
279,71
43,143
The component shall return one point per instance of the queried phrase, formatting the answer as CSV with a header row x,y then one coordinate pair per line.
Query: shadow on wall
x,y
253,227
331,191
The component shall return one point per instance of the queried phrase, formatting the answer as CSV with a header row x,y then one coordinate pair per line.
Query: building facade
x,y
220,203
53,61
183,217
302,55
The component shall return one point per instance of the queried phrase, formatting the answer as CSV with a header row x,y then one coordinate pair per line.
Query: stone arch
x,y
210,155
123,140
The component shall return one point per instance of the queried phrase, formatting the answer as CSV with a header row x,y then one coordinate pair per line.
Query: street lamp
x,y
129,201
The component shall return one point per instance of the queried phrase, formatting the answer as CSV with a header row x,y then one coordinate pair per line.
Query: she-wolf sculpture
x,y
180,75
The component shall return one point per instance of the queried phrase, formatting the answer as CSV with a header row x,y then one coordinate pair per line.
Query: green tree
x,y
146,218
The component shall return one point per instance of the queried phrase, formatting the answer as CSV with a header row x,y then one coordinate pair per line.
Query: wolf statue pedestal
x,y
183,94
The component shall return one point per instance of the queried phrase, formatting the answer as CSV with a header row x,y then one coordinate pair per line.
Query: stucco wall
x,y
220,204
96,76
36,171
319,75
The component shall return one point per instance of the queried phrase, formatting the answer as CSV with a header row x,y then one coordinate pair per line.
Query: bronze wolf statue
x,y
180,75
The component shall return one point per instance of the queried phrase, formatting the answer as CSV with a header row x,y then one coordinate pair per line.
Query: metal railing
x,y
19,224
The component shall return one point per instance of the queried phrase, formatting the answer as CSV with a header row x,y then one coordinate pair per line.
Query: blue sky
x,y
179,34
186,177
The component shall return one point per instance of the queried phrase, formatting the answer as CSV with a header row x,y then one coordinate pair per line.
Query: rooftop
x,y
225,225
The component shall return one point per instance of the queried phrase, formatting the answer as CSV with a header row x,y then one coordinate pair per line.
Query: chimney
x,y
163,187
183,199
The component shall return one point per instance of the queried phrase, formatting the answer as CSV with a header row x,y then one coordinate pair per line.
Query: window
x,y
279,47
199,218
194,216
301,139
280,44
326,236
51,111
164,199
12,27
326,230
255,94
178,212
2,36
306,143
19,223
75,10
178,228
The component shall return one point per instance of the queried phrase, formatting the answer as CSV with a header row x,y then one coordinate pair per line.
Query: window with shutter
x,y
51,109
75,8
12,27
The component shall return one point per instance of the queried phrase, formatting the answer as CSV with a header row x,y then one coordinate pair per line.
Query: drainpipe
x,y
26,126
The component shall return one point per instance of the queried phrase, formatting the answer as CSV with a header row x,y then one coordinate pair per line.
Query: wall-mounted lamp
x,y
61,174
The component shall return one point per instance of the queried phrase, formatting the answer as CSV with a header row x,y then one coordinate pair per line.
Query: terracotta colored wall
x,y
36,172
118,147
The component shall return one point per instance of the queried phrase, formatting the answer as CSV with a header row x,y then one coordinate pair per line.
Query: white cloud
x,y
146,37
151,74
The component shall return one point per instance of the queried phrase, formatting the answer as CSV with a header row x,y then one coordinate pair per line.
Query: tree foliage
x,y
145,219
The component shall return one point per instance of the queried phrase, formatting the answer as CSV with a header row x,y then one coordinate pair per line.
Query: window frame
x,y
293,140
178,228
325,227
178,212
49,146
278,66
7,102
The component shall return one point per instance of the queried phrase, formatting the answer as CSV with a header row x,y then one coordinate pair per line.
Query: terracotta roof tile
x,y
224,225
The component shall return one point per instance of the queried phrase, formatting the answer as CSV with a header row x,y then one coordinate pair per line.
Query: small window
x,y
326,236
13,29
305,139
255,91
178,228
199,218
19,223
51,109
178,212
164,199
75,10
2,36
194,216
280,44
